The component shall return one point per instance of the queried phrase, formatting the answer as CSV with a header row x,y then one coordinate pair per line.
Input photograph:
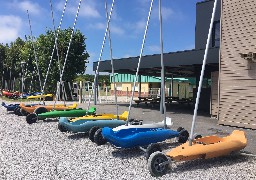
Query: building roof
x,y
179,64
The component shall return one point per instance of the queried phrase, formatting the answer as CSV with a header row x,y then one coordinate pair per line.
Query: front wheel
x,y
98,138
157,164
92,133
31,118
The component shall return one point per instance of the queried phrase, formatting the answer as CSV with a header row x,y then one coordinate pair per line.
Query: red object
x,y
8,94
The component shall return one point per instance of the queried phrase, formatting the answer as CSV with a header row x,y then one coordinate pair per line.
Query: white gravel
x,y
41,151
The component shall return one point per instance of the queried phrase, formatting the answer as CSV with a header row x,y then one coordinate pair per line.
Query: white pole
x,y
162,64
202,74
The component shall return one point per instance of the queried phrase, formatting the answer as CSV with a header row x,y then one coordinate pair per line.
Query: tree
x,y
2,59
11,56
76,59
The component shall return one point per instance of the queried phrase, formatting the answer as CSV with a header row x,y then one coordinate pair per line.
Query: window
x,y
216,34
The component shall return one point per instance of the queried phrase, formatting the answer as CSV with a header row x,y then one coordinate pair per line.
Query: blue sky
x,y
127,24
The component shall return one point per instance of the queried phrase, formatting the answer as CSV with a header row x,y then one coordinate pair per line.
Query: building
x,y
230,64
150,86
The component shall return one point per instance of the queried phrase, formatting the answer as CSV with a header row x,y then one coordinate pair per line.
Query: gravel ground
x,y
40,151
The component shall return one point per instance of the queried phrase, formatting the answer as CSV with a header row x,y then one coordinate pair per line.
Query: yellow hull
x,y
209,147
39,96
48,107
102,117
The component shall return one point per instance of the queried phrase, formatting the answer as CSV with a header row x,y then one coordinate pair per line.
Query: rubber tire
x,y
31,118
198,136
17,111
154,147
92,132
180,129
153,164
23,112
47,98
98,138
40,110
183,136
62,128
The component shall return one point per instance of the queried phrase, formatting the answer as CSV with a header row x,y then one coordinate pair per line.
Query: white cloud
x,y
114,29
167,13
9,28
117,30
154,48
32,7
88,8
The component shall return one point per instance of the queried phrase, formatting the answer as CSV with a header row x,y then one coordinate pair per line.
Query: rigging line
x,y
70,40
141,52
202,73
55,41
111,56
38,72
103,44
162,64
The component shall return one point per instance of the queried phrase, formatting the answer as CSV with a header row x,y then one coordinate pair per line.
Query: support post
x,y
139,88
80,92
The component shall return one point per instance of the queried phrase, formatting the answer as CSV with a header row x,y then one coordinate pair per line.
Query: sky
x,y
127,24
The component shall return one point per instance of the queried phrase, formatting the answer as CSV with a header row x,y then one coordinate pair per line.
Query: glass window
x,y
216,34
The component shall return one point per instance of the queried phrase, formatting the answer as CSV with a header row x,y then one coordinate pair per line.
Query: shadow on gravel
x,y
77,136
127,153
209,163
51,120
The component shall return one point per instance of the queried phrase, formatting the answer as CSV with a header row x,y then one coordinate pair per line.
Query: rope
x,y
55,41
70,40
141,52
38,72
103,44
111,56
202,74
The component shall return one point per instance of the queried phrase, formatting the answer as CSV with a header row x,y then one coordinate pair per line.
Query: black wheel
x,y
31,118
92,132
198,136
98,138
40,110
183,136
62,128
48,98
180,129
151,149
154,164
17,111
23,112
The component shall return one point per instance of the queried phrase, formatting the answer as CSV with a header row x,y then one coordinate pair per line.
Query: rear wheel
x,y
98,138
40,110
31,118
183,136
62,128
48,98
23,112
92,133
151,149
156,164
17,111
180,129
